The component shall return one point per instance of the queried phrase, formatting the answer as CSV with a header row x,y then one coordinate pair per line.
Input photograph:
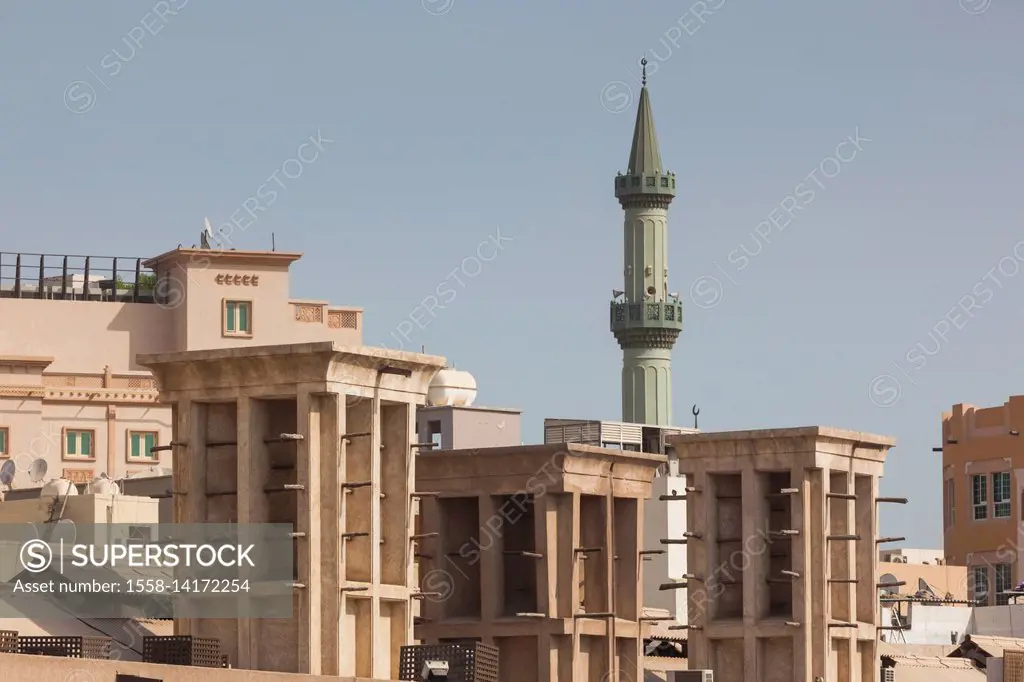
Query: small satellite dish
x,y
37,470
206,234
7,472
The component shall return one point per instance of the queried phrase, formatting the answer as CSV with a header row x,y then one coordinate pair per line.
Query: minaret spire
x,y
645,318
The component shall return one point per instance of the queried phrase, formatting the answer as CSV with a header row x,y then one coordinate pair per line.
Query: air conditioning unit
x,y
899,559
939,562
694,676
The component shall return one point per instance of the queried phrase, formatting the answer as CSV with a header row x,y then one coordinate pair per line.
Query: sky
x,y
847,174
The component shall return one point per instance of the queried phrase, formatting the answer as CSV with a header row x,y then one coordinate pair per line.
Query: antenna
x,y
37,470
273,242
7,473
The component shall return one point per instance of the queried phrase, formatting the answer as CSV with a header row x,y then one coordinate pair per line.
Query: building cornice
x,y
206,257
99,396
34,361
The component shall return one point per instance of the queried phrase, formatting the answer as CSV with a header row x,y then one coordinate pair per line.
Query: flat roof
x,y
222,257
548,449
478,408
792,432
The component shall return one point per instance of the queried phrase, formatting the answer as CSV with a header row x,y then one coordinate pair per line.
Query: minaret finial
x,y
643,65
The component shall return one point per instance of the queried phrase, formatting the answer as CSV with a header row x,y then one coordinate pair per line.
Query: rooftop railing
x,y
75,278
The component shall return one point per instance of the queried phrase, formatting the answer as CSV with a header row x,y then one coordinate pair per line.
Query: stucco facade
x,y
71,392
323,437
983,495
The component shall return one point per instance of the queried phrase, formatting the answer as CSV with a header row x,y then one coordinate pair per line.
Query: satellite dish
x,y
37,470
7,472
204,237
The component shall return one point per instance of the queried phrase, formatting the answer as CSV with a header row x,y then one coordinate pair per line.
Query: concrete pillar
x,y
331,472
307,474
700,559
545,523
578,675
844,510
373,541
755,587
608,584
190,477
491,579
817,630
803,563
866,489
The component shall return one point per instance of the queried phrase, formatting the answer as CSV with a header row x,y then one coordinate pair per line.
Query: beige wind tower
x,y
537,550
782,548
321,436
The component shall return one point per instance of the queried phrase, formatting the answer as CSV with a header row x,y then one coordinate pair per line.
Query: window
x,y
78,444
5,436
979,496
140,445
1001,495
979,585
1004,578
237,318
949,490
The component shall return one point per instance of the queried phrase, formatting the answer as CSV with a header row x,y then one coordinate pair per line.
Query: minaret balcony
x,y
646,315
658,184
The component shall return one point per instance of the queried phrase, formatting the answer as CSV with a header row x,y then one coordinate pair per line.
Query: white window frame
x,y
1003,585
1001,503
979,502
982,573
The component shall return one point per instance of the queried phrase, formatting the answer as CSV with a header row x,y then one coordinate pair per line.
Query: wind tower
x,y
645,318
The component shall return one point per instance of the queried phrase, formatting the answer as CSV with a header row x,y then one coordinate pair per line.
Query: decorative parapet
x,y
343,319
91,388
78,476
309,312
320,312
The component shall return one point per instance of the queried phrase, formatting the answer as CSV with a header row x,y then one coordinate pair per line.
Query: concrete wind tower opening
x,y
645,318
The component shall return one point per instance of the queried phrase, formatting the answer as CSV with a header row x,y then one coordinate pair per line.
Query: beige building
x,y
782,558
323,437
71,393
983,496
537,550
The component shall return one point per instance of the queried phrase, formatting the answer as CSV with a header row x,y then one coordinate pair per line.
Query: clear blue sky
x,y
452,123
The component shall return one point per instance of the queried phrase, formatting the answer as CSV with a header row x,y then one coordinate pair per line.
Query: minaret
x,y
645,317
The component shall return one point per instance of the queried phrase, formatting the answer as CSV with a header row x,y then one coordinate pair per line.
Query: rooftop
x,y
860,437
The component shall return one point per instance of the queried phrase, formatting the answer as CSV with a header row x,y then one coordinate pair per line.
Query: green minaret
x,y
645,318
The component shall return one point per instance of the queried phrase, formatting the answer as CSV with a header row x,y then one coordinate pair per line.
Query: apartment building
x,y
71,393
983,496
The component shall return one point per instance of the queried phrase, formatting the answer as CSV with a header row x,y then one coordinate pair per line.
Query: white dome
x,y
452,387
58,487
102,486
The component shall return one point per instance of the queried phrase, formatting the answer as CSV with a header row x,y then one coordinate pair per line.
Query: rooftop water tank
x,y
102,486
452,387
58,487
